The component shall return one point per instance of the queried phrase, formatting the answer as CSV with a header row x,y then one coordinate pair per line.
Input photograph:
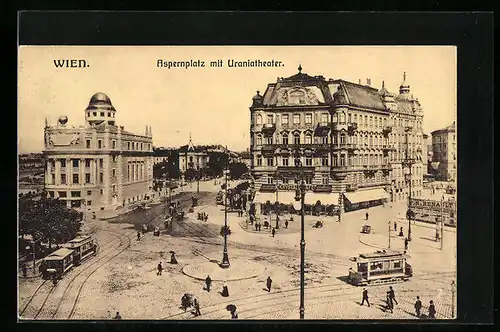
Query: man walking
x,y
196,305
365,297
286,223
395,226
432,310
269,282
366,215
388,300
392,295
160,269
406,243
208,282
418,306
138,236
273,231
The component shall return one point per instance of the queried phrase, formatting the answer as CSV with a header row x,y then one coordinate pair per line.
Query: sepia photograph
x,y
237,182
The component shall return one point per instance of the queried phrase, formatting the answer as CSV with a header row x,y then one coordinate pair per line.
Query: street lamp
x,y
225,256
299,196
453,290
408,162
276,206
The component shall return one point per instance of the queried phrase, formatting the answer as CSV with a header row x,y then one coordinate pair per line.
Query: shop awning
x,y
324,198
261,197
366,195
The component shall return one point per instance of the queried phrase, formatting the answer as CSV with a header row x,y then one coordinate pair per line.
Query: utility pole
x,y
408,162
225,257
300,195
276,206
453,290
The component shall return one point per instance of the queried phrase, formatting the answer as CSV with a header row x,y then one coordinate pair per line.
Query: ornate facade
x,y
98,165
342,133
444,153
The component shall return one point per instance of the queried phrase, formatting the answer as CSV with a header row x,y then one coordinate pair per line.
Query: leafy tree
x,y
48,219
217,162
237,170
190,174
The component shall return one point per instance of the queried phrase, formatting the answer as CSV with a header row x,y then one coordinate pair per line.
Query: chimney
x,y
368,82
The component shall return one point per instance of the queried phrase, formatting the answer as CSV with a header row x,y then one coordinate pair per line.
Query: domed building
x,y
343,137
100,165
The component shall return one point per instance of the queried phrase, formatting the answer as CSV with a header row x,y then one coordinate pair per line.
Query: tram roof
x,y
79,239
382,254
59,253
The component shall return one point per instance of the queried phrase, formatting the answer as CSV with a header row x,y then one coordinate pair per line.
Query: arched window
x,y
334,118
349,118
259,119
308,139
259,140
296,138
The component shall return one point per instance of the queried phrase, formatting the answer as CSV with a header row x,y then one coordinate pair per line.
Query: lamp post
x,y
276,206
225,256
300,195
389,234
408,162
453,290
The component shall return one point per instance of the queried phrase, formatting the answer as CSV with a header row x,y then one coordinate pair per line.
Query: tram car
x,y
383,266
70,255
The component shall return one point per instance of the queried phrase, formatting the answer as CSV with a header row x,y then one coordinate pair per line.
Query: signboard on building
x,y
448,207
292,187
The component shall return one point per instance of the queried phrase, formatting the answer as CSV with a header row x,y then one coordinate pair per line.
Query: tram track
x,y
338,286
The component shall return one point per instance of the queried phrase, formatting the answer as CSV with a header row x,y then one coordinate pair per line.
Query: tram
x,y
83,247
382,266
57,263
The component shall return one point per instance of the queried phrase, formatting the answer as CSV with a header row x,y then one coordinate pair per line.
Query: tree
x,y
217,162
237,170
48,219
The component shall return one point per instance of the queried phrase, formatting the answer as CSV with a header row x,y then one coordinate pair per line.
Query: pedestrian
x,y
234,314
432,310
160,269
365,297
196,305
269,282
173,260
401,231
388,301
418,306
406,243
225,290
117,316
395,226
286,223
392,295
366,215
273,231
208,282
256,226
138,236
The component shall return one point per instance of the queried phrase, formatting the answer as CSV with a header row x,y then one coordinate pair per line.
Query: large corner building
x,y
98,166
351,140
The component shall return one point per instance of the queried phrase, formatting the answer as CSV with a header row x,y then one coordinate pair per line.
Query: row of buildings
x,y
351,141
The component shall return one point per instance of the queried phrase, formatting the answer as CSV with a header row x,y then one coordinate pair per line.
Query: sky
x,y
211,104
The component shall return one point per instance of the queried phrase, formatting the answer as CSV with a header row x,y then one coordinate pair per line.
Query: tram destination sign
x,y
430,205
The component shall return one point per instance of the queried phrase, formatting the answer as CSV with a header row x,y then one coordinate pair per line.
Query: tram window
x,y
397,264
375,266
362,267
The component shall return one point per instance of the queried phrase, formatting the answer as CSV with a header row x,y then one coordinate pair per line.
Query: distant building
x,y
99,164
162,155
30,161
444,153
246,158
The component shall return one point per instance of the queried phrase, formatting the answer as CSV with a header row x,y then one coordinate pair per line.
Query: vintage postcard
x,y
237,182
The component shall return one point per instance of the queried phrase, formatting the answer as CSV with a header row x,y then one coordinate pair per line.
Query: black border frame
x,y
471,32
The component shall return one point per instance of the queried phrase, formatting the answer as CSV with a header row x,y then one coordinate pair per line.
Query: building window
x,y
101,163
308,139
270,161
258,119
324,139
366,120
342,117
325,179
342,139
259,161
114,172
87,178
113,144
296,119
285,161
355,118
349,118
114,158
62,194
75,163
284,140
342,160
101,178
89,192
269,140
324,119
63,178
99,144
308,118
270,180
88,144
284,119
75,194
308,180
296,139
270,119
94,113
128,145
324,161
75,178
100,192
87,162
63,163
53,178
259,140
308,161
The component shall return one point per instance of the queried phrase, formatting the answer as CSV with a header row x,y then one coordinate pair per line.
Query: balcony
x,y
352,127
339,126
344,146
269,128
323,125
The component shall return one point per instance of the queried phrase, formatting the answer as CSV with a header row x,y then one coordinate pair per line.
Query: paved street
x,y
132,273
